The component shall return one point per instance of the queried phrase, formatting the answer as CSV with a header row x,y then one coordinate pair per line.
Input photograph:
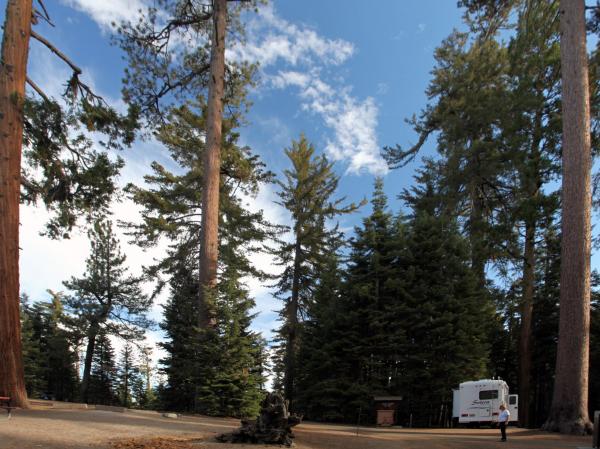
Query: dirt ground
x,y
95,429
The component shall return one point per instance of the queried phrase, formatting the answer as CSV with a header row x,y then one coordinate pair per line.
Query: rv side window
x,y
488,394
512,400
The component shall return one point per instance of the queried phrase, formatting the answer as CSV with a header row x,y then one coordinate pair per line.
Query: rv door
x,y
513,406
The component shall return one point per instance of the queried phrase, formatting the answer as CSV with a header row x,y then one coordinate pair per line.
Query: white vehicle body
x,y
479,401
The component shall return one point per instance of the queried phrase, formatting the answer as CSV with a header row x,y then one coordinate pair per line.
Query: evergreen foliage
x,y
103,382
48,350
306,192
406,319
107,299
211,371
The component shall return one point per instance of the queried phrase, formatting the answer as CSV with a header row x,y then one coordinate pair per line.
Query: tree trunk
x,y
476,235
569,410
526,325
209,247
292,331
87,367
15,49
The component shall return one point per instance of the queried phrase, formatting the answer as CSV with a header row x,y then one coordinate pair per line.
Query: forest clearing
x,y
73,429
259,215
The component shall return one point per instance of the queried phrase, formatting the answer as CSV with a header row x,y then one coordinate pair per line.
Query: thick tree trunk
x,y
526,325
292,330
569,410
87,366
209,247
15,49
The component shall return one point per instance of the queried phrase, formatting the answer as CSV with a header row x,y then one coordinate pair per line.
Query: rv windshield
x,y
488,394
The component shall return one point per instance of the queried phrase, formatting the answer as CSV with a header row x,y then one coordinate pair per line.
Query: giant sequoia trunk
x,y
569,410
209,246
15,49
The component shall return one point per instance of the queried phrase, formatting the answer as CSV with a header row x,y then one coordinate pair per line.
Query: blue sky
x,y
347,73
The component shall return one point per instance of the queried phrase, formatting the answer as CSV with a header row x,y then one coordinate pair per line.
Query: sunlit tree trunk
x,y
209,247
569,410
15,49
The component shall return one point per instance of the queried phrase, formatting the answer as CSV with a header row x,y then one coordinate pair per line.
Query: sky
x,y
346,73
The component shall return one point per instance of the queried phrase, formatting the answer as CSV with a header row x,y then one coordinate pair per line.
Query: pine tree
x,y
531,135
48,353
189,69
465,110
328,389
142,389
306,193
102,388
127,375
231,379
33,358
172,210
182,342
443,299
569,410
106,299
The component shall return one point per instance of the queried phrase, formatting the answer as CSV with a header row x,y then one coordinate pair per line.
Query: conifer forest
x,y
469,255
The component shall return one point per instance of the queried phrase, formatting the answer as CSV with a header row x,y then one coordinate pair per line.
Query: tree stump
x,y
273,425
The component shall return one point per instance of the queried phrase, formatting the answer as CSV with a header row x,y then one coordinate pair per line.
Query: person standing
x,y
503,420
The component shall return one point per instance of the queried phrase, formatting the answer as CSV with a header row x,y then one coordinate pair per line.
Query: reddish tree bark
x,y
209,247
15,49
569,410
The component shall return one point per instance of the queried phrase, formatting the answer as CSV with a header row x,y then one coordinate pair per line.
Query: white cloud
x,y
354,122
303,59
272,39
105,12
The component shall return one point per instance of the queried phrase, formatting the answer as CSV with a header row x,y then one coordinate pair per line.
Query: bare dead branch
x,y
37,14
37,88
57,52
46,15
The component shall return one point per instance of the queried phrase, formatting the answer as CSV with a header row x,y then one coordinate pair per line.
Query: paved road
x,y
95,429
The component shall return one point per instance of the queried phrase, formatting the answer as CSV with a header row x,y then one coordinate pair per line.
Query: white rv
x,y
478,402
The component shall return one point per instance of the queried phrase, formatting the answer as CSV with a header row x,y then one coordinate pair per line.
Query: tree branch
x,y
37,89
57,52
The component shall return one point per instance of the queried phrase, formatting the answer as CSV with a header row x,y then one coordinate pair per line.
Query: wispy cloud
x,y
353,121
293,55
272,39
105,12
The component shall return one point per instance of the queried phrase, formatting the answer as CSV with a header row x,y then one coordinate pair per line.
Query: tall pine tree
x,y
306,192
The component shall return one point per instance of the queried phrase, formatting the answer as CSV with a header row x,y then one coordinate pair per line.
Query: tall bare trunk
x,y
209,247
569,410
15,49
526,320
292,330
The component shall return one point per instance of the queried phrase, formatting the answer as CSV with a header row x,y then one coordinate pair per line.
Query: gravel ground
x,y
95,429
